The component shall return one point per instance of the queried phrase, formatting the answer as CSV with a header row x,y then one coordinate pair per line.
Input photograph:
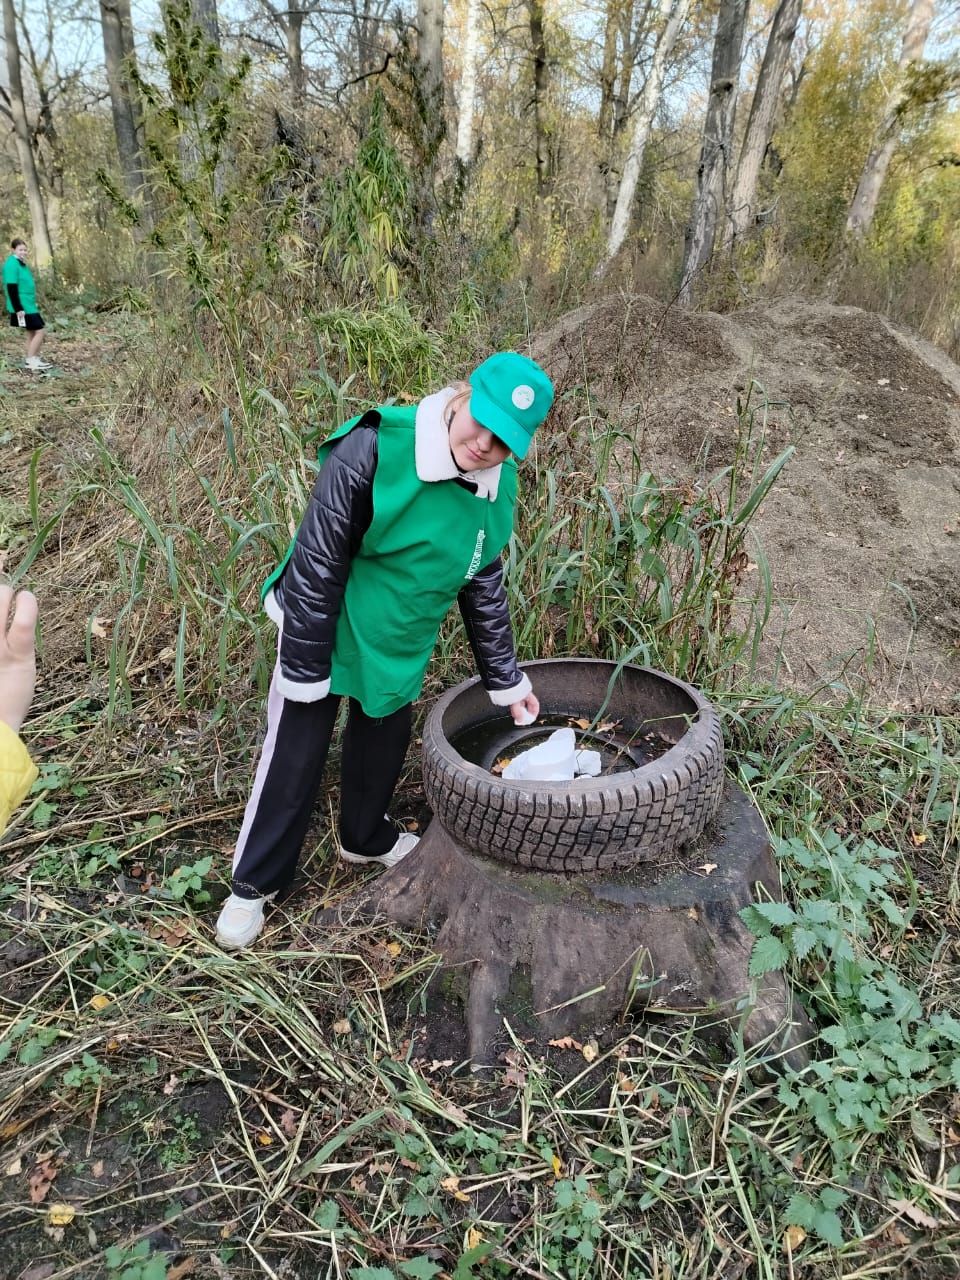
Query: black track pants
x,y
288,777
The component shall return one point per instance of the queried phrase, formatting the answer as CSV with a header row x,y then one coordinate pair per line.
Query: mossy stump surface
x,y
560,954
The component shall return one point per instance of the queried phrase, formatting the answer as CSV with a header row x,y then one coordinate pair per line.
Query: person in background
x,y
18,673
20,295
411,510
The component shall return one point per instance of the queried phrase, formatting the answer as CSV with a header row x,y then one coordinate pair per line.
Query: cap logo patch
x,y
522,396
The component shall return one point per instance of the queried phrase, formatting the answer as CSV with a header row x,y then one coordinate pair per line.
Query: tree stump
x,y
562,954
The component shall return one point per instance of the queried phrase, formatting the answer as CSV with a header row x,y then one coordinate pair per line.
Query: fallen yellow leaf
x,y
473,1238
60,1215
342,1028
793,1238
394,948
99,1002
590,1050
919,838
451,1185
265,1139
557,1167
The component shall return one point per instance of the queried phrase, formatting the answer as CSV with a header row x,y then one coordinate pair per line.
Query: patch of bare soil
x,y
862,530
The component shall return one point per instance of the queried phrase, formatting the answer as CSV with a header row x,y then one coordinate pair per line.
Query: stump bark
x,y
563,954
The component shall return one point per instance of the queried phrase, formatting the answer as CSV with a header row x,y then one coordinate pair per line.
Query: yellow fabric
x,y
17,773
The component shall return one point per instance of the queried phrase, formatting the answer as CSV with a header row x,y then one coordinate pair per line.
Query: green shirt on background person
x,y
17,273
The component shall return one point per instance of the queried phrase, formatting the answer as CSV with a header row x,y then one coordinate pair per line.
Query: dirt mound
x,y
862,530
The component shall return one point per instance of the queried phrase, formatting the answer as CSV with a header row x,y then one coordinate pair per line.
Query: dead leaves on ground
x,y
913,1213
452,1186
42,1176
607,726
793,1238
590,1049
516,1072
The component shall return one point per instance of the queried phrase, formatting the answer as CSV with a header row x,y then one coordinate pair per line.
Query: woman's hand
x,y
526,710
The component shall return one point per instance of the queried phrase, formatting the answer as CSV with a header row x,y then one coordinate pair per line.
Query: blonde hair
x,y
461,394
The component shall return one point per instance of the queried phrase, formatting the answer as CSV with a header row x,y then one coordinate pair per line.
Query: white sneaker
x,y
240,921
406,843
35,364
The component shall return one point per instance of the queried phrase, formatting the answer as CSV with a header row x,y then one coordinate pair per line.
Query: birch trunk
x,y
116,26
646,110
468,85
762,113
708,206
864,205
41,247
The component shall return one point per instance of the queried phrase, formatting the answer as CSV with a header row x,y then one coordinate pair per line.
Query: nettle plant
x,y
884,1050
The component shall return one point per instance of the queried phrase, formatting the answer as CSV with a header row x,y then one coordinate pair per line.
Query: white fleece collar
x,y
432,448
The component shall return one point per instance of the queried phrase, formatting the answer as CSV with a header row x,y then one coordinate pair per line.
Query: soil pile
x,y
862,529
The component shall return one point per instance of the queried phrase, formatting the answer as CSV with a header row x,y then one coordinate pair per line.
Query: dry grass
x,y
289,1112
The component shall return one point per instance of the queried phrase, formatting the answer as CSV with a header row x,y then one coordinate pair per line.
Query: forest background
x,y
289,160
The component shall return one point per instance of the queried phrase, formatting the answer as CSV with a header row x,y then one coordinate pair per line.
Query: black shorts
x,y
33,318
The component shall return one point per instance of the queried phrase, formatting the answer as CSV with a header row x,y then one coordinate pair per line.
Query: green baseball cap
x,y
511,396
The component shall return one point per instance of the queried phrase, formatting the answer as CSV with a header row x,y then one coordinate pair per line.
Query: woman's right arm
x,y
311,589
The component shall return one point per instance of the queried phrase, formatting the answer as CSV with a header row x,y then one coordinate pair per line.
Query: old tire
x,y
590,824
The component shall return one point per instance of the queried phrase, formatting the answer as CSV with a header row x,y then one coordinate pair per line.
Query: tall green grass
x,y
612,561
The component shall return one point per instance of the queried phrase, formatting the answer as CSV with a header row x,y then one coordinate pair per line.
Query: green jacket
x,y
20,276
424,543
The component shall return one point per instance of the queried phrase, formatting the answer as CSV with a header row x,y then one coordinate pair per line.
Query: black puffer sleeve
x,y
486,616
13,293
310,592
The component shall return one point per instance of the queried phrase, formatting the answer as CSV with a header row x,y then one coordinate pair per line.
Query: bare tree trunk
x,y
538,46
430,54
47,146
608,72
182,18
116,25
649,99
205,16
468,85
762,113
42,248
433,128
294,31
717,143
366,26
867,195
628,52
